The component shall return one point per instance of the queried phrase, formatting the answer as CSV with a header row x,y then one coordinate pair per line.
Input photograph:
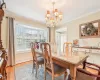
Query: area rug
x,y
25,73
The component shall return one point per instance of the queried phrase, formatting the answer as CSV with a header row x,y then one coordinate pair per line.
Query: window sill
x,y
23,51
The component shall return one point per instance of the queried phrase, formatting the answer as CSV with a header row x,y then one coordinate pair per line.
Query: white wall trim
x,y
21,61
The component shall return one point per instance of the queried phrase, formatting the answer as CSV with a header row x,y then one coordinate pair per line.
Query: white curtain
x,y
11,46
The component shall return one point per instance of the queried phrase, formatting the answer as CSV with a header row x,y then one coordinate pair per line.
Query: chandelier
x,y
54,17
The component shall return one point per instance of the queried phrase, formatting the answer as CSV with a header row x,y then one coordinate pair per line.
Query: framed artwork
x,y
90,29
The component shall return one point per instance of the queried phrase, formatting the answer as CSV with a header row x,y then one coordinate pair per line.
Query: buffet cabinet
x,y
94,54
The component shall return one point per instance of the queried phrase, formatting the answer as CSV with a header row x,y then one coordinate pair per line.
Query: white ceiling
x,y
36,9
62,30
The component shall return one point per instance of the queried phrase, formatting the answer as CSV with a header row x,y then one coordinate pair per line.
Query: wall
x,y
73,30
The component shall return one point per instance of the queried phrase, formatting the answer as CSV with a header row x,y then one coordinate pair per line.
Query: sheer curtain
x,y
10,42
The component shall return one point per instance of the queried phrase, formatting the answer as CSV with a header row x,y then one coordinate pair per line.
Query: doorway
x,y
61,38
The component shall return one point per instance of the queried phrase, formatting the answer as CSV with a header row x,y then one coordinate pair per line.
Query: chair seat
x,y
38,55
82,76
58,69
40,60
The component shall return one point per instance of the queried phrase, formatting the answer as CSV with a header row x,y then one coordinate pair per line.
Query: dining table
x,y
70,62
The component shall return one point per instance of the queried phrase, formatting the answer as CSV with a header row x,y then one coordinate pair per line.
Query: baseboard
x,y
21,61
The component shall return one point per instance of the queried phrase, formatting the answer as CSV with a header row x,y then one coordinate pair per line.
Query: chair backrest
x,y
46,49
33,51
3,65
67,48
36,44
3,69
1,77
83,74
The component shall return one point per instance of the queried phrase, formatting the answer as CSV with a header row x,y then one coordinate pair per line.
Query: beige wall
x,y
73,30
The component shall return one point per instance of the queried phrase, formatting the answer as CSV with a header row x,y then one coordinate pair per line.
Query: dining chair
x,y
1,77
84,74
52,68
3,70
67,48
37,60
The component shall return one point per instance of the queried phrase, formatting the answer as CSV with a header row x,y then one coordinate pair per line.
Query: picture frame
x,y
90,29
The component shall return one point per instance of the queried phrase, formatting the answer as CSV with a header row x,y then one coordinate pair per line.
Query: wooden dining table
x,y
69,62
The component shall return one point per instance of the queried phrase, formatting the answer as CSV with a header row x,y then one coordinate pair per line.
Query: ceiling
x,y
36,9
61,30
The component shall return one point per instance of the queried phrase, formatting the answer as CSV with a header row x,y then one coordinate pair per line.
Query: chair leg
x,y
65,75
45,74
4,77
52,77
33,67
36,71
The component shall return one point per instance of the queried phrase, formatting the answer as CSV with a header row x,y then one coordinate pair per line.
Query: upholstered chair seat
x,y
82,76
58,69
40,60
0,77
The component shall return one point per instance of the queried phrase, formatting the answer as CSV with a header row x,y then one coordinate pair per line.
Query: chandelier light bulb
x,y
52,19
56,12
48,14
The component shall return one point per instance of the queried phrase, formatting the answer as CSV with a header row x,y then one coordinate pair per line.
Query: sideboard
x,y
94,53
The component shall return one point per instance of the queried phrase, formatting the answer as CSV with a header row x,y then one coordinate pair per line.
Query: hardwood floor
x,y
11,70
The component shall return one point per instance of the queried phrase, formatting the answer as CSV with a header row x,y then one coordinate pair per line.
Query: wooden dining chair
x,y
52,68
37,60
1,77
67,48
3,70
84,74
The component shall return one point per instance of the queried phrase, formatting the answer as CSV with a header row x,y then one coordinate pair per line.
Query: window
x,y
24,35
